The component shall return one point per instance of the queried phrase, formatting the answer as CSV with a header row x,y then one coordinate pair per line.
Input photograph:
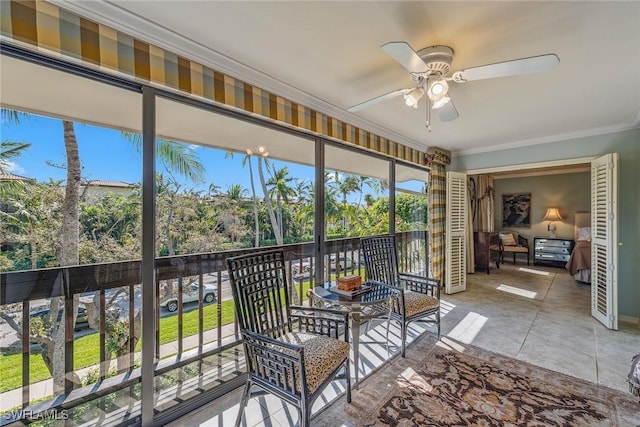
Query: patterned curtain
x,y
485,209
437,159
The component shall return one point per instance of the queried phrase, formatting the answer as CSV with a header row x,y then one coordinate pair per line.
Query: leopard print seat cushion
x,y
322,355
416,302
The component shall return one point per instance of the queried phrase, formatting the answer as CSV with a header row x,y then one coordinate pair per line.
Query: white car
x,y
190,294
302,268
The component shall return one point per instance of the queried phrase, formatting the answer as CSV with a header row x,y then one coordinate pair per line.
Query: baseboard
x,y
629,319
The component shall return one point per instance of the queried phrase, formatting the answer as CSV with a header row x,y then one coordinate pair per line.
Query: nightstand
x,y
553,252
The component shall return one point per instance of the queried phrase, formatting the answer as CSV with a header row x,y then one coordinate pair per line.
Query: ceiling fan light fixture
x,y
412,97
441,102
438,90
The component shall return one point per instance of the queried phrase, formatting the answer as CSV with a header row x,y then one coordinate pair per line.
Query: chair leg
x,y
403,337
514,258
438,320
305,414
347,373
243,402
388,326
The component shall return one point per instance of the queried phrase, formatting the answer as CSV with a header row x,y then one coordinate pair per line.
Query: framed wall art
x,y
516,209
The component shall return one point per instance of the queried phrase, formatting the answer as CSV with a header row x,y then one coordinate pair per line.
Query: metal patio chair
x,y
293,352
419,299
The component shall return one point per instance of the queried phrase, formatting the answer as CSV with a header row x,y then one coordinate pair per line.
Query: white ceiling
x,y
327,55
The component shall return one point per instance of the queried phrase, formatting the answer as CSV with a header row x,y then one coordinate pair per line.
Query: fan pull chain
x,y
428,118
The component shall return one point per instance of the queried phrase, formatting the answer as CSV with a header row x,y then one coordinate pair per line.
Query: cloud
x,y
13,167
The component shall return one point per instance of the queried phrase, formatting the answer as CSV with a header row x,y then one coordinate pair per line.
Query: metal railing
x,y
102,281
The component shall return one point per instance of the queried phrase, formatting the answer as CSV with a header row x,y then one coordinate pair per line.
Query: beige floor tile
x,y
559,358
544,319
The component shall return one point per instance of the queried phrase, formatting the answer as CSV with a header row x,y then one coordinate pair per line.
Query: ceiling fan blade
x,y
406,56
373,101
533,64
448,112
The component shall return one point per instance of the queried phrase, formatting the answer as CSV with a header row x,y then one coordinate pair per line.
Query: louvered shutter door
x,y
456,238
604,240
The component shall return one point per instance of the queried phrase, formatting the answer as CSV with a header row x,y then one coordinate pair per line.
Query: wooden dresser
x,y
486,246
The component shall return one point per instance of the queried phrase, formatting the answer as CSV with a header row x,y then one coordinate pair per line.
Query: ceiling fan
x,y
430,67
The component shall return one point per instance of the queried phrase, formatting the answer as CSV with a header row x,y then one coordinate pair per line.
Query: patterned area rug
x,y
479,388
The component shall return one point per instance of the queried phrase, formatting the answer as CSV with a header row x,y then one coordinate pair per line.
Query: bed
x,y
579,264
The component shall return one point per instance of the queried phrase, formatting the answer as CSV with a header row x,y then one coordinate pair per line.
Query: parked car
x,y
346,263
301,269
190,294
82,320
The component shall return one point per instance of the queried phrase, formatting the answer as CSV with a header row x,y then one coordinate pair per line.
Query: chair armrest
x,y
424,285
495,240
275,362
319,320
256,339
523,241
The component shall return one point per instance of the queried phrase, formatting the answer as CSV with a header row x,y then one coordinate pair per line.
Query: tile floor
x,y
536,314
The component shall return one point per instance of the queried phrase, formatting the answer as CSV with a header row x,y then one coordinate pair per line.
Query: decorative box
x,y
349,283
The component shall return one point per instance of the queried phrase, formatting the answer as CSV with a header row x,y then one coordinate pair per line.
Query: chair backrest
x,y
260,292
380,258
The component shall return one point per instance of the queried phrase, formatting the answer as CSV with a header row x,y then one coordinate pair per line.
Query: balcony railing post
x,y
25,353
104,368
69,321
149,285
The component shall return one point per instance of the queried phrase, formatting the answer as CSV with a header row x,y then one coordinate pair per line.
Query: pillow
x,y
507,239
584,233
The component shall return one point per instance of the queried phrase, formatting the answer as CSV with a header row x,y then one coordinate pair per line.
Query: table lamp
x,y
552,215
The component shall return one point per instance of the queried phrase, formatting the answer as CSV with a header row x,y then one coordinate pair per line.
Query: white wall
x,y
569,192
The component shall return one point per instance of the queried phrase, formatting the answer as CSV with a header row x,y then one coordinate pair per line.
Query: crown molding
x,y
550,138
118,18
528,166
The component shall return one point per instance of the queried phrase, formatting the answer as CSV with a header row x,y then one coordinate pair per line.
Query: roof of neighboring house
x,y
101,183
14,177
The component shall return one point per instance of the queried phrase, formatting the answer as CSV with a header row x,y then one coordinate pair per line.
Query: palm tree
x,y
279,183
303,190
213,189
39,204
350,184
373,183
10,150
332,207
174,156
246,160
277,231
235,193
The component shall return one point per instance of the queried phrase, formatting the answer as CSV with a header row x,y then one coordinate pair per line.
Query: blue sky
x,y
106,155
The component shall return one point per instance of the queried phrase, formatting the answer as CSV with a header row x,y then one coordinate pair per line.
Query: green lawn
x,y
87,347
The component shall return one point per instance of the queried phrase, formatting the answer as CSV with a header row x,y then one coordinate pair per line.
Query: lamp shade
x,y
552,215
